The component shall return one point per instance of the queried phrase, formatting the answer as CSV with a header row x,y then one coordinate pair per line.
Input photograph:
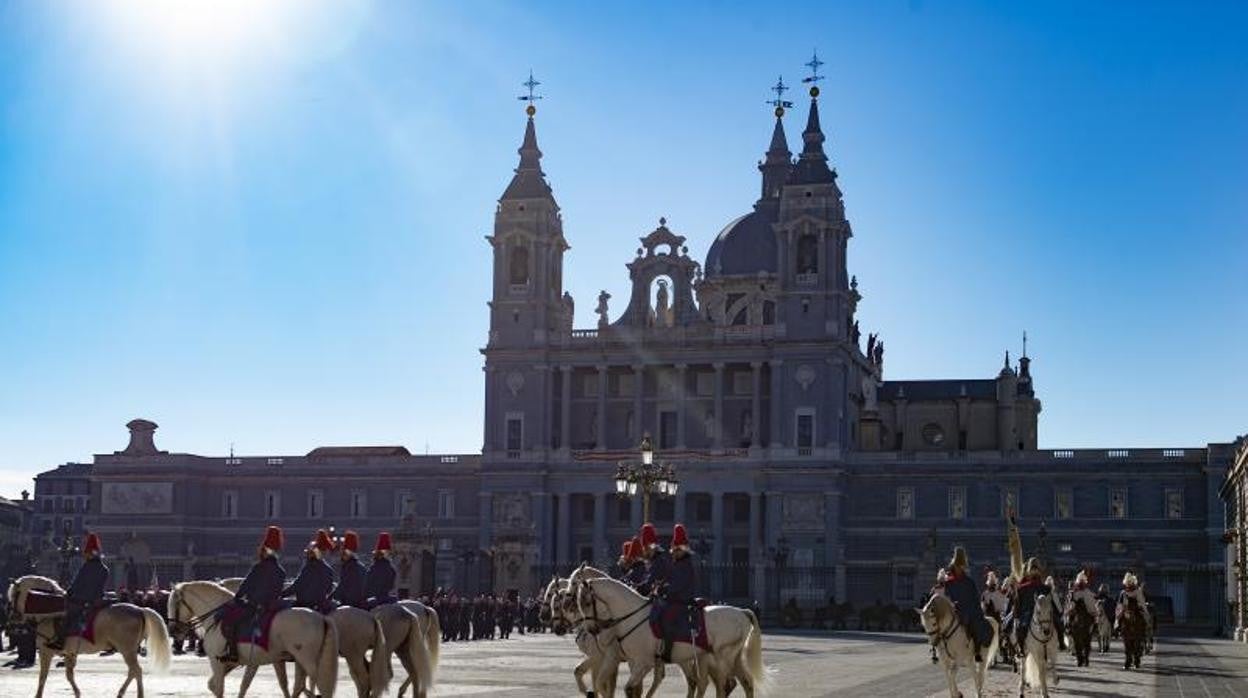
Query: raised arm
x,y
1016,549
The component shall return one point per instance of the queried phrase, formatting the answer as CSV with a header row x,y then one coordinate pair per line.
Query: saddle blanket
x,y
255,630
42,602
87,629
681,623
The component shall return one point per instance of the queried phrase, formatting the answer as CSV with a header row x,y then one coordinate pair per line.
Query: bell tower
x,y
528,305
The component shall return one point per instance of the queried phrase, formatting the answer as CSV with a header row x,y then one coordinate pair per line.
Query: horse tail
x,y
379,670
433,642
754,656
327,661
994,645
418,652
158,643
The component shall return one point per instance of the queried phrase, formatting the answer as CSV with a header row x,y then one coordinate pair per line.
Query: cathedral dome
x,y
747,245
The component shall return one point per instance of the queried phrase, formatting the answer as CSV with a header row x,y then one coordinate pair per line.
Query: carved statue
x,y
879,354
871,346
662,309
628,424
601,310
747,427
593,426
708,423
870,401
855,333
569,311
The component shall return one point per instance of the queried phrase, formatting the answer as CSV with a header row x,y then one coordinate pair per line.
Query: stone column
x,y
563,529
602,408
679,505
600,528
757,551
717,540
565,415
485,520
777,379
635,503
756,404
681,375
539,502
833,545
639,384
491,412
718,437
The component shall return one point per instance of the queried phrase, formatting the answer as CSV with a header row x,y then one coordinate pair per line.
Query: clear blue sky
x,y
264,226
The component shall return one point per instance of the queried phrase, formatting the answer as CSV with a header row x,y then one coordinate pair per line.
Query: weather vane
x,y
779,103
531,97
815,77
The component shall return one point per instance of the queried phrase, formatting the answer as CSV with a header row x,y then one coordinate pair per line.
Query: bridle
x,y
205,621
938,637
585,587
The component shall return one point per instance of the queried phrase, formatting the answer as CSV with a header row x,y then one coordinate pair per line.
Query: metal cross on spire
x,y
532,96
814,76
779,102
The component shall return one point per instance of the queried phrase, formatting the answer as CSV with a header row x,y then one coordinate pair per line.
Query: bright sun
x,y
203,34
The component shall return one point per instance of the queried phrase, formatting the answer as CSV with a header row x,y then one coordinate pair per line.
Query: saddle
x,y
86,627
40,602
250,627
680,623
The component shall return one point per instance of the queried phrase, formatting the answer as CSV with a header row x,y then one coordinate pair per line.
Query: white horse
x,y
733,633
302,634
602,659
414,632
1040,665
359,632
946,633
121,627
1104,629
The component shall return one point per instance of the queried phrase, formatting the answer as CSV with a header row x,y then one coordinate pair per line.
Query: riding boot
x,y
666,655
57,643
979,653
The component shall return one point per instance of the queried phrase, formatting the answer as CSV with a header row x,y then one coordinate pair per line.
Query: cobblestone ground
x,y
834,664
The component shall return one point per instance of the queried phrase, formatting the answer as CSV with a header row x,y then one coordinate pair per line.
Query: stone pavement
x,y
828,664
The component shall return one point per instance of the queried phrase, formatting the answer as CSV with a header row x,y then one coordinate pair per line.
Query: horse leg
x,y
301,678
279,668
136,672
70,661
216,682
359,674
248,674
951,676
579,673
45,661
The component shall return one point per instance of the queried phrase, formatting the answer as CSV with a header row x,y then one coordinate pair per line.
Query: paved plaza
x,y
834,664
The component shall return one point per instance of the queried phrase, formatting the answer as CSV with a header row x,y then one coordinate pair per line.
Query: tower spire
x,y
529,182
775,167
812,164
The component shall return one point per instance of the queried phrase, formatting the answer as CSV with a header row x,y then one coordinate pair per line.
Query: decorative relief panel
x,y
511,510
803,511
805,376
136,498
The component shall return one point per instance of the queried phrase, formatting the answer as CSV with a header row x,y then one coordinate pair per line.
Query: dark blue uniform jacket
x,y
313,586
379,586
350,591
262,587
962,592
89,584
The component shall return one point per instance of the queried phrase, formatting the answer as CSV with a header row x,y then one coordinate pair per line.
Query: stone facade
x,y
1234,494
804,472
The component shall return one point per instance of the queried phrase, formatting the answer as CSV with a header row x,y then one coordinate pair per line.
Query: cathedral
x,y
804,473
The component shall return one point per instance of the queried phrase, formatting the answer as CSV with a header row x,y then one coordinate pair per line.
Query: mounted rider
x,y
960,589
314,585
1081,594
658,562
635,573
85,593
1105,601
1132,590
260,591
1029,584
379,583
351,573
676,593
993,600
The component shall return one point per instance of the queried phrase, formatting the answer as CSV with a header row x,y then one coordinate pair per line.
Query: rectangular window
x,y
272,504
903,586
587,510
701,508
316,504
957,503
84,505
1009,501
404,503
1174,504
359,504
275,461
741,509
589,385
706,384
803,557
743,383
1064,503
627,385
1065,547
905,503
667,429
446,504
623,511
1117,547
229,504
805,434
515,433
1118,503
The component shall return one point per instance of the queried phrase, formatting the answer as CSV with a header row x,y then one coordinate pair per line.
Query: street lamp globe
x,y
672,485
632,488
647,451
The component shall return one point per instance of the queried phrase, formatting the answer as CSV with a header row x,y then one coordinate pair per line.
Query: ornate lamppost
x,y
1043,535
646,477
68,550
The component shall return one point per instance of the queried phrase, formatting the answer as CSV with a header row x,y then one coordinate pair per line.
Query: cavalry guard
x,y
1030,584
625,560
314,585
351,573
1132,590
85,592
677,592
636,570
379,584
658,562
260,591
960,589
993,600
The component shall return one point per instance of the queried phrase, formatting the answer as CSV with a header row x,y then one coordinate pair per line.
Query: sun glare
x,y
201,34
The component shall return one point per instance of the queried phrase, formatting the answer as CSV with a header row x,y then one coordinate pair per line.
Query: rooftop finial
x,y
779,102
1024,344
815,77
532,96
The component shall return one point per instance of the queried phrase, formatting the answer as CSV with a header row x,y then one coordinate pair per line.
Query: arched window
x,y
807,254
662,303
769,313
519,265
